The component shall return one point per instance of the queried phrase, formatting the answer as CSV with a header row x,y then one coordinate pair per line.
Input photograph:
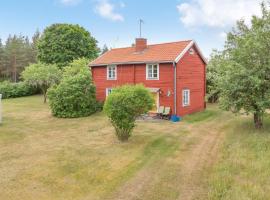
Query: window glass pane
x,y
186,96
149,69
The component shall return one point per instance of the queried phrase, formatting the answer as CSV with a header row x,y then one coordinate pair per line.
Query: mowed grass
x,y
46,158
211,113
42,157
243,170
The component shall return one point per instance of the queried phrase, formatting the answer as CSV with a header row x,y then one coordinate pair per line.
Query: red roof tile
x,y
166,52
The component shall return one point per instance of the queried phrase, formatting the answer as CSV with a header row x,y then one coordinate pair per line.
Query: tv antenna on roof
x,y
141,22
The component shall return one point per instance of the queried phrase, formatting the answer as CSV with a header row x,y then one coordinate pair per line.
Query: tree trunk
x,y
258,120
44,91
45,97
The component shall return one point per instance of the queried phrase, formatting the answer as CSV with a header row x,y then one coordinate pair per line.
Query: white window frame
x,y
108,68
147,67
186,97
108,91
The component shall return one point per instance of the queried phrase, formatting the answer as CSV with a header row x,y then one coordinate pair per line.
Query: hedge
x,y
12,90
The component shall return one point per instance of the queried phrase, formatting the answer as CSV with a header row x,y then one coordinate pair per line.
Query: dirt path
x,y
197,159
197,154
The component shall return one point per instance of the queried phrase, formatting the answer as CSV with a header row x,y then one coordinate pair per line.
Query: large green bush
x,y
75,95
12,90
124,105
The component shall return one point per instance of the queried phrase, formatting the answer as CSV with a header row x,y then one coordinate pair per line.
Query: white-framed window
x,y
111,72
186,97
108,91
152,72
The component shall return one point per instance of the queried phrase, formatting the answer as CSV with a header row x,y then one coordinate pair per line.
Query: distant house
x,y
174,73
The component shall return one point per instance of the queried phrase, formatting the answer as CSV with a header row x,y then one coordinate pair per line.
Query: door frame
x,y
157,101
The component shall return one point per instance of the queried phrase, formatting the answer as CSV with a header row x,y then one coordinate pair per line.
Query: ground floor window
x,y
108,91
186,97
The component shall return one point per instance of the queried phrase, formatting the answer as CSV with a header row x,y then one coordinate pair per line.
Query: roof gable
x,y
166,52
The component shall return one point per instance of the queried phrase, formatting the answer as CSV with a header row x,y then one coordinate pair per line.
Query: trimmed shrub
x,y
124,105
20,89
75,95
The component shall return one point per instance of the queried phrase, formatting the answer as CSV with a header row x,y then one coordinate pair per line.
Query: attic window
x,y
191,51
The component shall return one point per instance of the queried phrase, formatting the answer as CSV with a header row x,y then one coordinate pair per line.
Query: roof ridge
x,y
170,42
156,44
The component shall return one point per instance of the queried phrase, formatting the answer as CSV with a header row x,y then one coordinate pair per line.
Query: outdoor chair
x,y
166,113
160,111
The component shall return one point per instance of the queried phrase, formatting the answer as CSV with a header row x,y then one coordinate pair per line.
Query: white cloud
x,y
107,10
70,2
217,13
223,35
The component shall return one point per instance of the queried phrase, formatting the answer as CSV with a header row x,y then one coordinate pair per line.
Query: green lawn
x,y
244,168
209,155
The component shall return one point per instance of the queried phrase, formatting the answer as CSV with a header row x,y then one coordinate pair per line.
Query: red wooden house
x,y
174,72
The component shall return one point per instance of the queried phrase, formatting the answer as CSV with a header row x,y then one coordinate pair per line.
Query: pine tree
x,y
2,67
34,47
104,49
18,54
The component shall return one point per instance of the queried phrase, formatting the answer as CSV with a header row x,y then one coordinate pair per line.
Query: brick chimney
x,y
140,44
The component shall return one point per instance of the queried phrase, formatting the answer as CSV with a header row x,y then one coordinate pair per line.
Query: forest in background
x,y
16,53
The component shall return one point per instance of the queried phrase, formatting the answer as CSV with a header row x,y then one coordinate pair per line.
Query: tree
x,y
42,76
2,66
212,75
17,54
104,49
34,46
75,95
245,84
124,105
62,43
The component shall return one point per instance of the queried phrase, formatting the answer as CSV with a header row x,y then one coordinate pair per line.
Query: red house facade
x,y
175,73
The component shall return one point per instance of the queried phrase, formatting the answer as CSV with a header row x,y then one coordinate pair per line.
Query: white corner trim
x,y
181,55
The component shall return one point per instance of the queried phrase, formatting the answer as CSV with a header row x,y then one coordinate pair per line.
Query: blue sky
x,y
115,22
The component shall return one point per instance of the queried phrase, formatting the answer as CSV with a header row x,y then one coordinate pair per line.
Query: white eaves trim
x,y
128,63
180,56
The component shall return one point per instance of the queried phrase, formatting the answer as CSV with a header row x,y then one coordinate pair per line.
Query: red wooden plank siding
x,y
191,75
135,74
